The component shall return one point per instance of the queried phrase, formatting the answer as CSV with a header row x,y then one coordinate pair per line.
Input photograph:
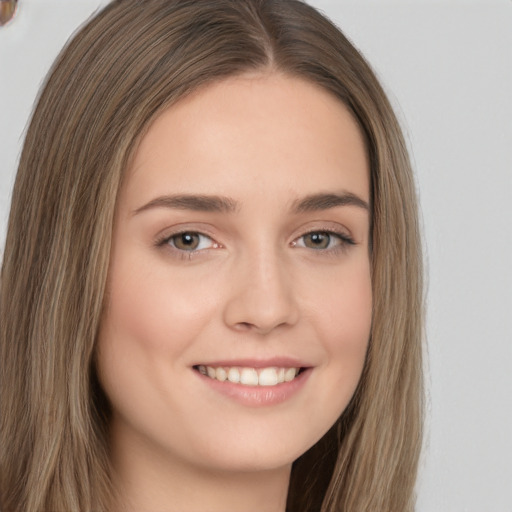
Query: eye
x,y
190,241
323,240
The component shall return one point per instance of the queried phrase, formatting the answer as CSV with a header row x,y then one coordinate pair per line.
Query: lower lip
x,y
258,396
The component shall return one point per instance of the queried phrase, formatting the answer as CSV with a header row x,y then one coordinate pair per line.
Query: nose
x,y
261,296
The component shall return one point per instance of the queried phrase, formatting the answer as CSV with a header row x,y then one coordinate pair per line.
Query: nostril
x,y
244,326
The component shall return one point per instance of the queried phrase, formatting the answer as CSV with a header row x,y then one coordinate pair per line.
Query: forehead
x,y
250,134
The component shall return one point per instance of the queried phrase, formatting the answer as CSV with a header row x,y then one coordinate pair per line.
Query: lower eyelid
x,y
343,239
211,242
167,240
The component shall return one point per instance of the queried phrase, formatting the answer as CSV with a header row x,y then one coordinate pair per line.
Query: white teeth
x,y
250,376
268,377
290,374
221,374
234,375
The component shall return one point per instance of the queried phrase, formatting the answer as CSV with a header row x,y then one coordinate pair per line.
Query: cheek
x,y
344,318
149,323
154,314
344,309
351,316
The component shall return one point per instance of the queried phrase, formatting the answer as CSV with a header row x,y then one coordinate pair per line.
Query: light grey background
x,y
447,66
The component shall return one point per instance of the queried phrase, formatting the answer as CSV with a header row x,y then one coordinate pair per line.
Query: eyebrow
x,y
221,204
319,202
198,203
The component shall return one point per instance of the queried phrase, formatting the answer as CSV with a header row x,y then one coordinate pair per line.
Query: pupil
x,y
187,241
319,240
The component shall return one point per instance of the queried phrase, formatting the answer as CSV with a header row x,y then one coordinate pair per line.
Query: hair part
x,y
120,71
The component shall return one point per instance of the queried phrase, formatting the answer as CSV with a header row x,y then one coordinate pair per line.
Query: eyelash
x,y
165,242
344,242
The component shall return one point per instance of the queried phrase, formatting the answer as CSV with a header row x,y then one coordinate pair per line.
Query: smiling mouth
x,y
246,376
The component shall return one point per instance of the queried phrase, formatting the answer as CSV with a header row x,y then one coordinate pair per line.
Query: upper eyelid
x,y
344,237
342,232
207,229
168,233
166,239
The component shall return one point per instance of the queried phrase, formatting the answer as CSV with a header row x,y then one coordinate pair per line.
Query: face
x,y
239,302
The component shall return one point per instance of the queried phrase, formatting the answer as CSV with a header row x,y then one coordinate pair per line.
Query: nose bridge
x,y
262,295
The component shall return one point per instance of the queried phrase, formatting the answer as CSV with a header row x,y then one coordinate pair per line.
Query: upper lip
x,y
279,362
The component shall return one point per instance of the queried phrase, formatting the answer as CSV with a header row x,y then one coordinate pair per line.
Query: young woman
x,y
211,289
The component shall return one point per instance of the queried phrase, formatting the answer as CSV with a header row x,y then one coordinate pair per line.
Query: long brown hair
x,y
120,71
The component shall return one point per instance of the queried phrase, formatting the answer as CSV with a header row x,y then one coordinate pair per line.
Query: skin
x,y
256,286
